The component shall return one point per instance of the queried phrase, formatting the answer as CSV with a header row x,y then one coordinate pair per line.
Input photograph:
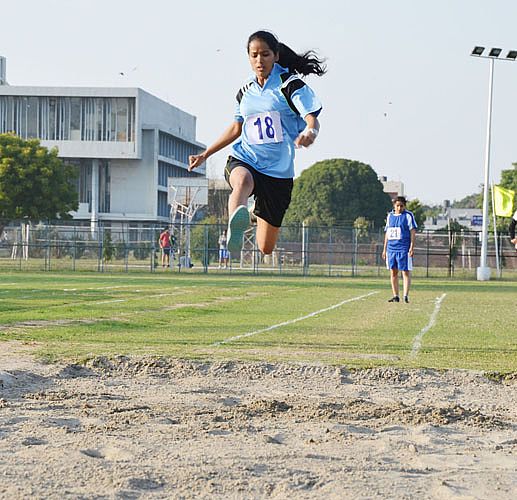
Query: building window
x,y
163,204
104,186
84,183
176,149
105,119
165,171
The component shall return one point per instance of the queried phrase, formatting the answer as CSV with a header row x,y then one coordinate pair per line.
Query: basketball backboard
x,y
188,191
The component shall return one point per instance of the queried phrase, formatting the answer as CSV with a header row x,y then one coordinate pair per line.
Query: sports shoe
x,y
394,299
406,299
239,222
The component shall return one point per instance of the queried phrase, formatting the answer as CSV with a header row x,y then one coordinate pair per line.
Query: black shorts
x,y
272,195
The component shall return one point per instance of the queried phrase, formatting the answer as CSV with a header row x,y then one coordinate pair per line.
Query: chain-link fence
x,y
336,251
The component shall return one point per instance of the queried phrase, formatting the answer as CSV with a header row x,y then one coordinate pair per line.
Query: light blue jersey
x,y
272,118
398,229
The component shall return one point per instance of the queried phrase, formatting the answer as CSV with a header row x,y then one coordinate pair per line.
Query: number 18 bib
x,y
264,128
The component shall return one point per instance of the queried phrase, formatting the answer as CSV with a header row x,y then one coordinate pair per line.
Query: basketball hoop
x,y
185,196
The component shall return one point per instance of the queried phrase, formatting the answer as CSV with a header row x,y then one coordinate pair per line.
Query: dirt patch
x,y
140,427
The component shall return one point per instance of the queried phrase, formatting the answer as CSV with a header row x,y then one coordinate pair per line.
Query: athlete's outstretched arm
x,y
227,137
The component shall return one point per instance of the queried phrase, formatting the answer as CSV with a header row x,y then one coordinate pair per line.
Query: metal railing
x,y
334,251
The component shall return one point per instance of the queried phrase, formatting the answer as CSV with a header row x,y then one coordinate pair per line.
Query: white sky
x,y
401,93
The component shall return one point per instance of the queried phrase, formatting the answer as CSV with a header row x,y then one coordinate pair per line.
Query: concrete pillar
x,y
95,198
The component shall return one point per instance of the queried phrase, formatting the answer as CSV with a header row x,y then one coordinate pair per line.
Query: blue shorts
x,y
399,260
224,254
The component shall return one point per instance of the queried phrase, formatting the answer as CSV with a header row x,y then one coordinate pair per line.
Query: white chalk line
x,y
110,301
291,321
417,341
128,299
105,301
75,291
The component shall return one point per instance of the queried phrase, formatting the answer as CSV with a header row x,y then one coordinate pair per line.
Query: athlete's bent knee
x,y
241,180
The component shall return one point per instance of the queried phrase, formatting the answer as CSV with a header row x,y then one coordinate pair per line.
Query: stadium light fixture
x,y
483,271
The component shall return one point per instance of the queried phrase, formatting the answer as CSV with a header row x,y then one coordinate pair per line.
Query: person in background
x,y
223,250
511,229
399,243
276,112
165,243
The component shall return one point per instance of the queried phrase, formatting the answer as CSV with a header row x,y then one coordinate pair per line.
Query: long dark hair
x,y
306,63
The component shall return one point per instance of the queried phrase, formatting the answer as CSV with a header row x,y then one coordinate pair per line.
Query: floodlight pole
x,y
483,271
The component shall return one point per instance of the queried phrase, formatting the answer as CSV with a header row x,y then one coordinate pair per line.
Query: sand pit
x,y
158,428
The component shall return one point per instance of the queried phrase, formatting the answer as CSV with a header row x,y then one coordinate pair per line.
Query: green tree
x,y
218,202
509,178
474,200
108,248
432,210
198,235
142,250
362,228
34,182
337,192
418,211
509,181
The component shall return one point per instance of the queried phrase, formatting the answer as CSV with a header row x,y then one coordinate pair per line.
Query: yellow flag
x,y
503,201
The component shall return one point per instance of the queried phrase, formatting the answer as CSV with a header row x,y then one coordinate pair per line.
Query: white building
x,y
470,218
125,142
393,188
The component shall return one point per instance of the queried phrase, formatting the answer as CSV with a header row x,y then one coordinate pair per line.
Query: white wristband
x,y
313,131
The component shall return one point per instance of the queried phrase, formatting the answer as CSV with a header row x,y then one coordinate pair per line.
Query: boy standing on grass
x,y
399,242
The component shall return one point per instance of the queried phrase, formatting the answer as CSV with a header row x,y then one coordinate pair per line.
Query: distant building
x,y
470,218
125,143
3,71
393,188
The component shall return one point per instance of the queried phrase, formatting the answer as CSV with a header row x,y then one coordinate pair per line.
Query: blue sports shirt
x,y
272,118
398,228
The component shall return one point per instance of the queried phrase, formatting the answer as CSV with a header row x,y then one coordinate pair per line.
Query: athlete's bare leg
x,y
242,185
394,275
266,236
406,280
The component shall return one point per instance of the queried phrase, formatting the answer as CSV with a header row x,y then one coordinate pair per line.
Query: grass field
x,y
448,324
